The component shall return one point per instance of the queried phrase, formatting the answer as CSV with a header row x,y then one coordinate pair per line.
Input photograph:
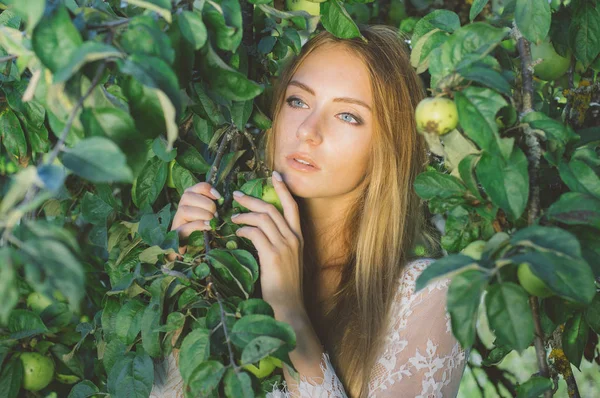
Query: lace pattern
x,y
421,358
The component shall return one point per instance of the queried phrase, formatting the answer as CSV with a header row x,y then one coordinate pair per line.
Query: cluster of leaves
x,y
483,183
110,110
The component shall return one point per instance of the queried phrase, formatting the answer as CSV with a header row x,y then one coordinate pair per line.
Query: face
x,y
326,115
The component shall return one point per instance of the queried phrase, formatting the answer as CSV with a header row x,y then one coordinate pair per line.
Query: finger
x,y
186,230
258,239
262,221
260,206
289,204
204,188
192,213
198,200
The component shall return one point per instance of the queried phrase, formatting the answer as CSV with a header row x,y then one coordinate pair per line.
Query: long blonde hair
x,y
386,221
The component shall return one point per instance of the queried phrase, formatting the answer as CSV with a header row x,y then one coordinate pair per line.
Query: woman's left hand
x,y
278,240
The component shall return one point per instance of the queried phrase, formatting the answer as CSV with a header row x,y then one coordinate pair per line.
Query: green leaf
x,y
161,7
443,266
259,348
432,184
94,210
584,32
443,20
195,349
55,38
52,266
476,8
97,159
580,177
486,76
205,378
466,169
144,36
592,314
506,182
336,20
192,160
182,177
238,385
193,29
11,378
113,352
574,208
12,133
534,387
237,268
129,321
509,315
255,306
132,376
83,389
574,339
226,81
150,182
477,109
463,299
89,51
23,323
8,285
31,11
548,238
152,316
568,277
466,45
250,327
533,19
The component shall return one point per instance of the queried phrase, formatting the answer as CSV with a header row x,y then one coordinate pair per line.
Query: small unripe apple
x,y
310,7
531,283
265,368
270,196
552,65
436,115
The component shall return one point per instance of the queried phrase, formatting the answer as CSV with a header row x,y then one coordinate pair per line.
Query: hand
x,y
278,240
196,209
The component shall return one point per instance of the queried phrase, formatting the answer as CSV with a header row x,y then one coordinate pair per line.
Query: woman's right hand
x,y
194,212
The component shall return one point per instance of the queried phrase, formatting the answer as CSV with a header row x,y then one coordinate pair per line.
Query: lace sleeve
x,y
421,358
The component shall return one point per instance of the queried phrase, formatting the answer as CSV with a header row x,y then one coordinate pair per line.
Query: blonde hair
x,y
387,220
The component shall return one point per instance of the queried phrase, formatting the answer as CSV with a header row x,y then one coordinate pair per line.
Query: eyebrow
x,y
341,99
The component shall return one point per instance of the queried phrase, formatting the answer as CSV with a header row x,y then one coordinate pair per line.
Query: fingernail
x,y
207,222
238,194
216,214
277,176
215,193
235,215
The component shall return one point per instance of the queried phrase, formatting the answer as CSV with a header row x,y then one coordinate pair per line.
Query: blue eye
x,y
291,100
351,116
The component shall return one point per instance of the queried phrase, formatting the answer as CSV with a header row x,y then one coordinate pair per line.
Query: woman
x,y
336,265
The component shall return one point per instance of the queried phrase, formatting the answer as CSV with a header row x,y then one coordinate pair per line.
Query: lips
x,y
304,157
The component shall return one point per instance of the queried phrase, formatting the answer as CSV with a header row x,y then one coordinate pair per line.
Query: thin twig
x,y
533,157
8,58
109,25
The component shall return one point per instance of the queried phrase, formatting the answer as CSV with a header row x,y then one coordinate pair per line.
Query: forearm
x,y
308,353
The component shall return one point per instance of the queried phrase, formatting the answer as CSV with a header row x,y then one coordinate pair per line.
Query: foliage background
x,y
109,110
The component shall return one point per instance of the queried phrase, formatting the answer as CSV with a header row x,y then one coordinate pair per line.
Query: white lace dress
x,y
421,357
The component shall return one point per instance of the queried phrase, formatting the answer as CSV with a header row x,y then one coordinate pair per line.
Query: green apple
x,y
38,371
231,245
170,182
474,249
270,196
552,65
312,8
436,115
265,368
531,283
38,302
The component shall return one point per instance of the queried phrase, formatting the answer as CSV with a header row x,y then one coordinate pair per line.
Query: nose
x,y
309,130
